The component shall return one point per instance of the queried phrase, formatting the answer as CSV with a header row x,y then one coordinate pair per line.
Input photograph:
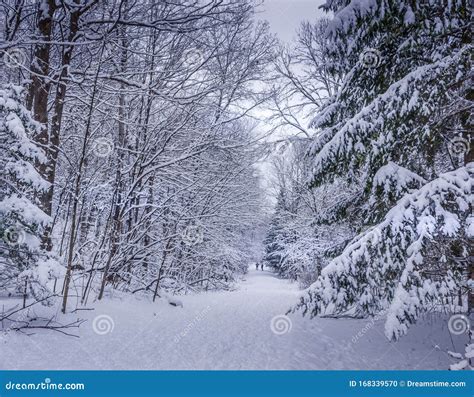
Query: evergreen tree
x,y
274,241
399,125
25,265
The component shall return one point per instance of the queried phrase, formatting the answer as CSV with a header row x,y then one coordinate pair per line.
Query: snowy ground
x,y
226,330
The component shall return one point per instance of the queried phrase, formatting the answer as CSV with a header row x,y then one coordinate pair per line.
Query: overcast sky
x,y
286,15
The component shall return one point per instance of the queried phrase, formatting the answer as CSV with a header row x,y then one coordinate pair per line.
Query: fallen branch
x,y
57,328
12,311
82,308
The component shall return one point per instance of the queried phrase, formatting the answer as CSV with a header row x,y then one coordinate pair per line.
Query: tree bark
x,y
37,102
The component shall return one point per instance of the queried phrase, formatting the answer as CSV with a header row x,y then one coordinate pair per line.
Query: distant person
x,y
256,266
261,266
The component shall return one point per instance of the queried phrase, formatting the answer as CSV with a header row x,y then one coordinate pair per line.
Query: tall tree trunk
x,y
38,97
37,101
469,158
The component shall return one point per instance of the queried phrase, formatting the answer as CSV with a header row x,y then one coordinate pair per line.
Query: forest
x,y
153,152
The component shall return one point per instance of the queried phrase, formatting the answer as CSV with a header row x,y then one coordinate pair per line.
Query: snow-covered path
x,y
224,330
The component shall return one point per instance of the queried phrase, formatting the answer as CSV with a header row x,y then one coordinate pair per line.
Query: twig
x,y
82,308
7,316
57,328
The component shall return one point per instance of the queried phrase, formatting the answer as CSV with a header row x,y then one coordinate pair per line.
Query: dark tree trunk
x,y
37,102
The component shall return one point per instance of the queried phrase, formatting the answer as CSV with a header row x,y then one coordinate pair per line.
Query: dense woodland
x,y
132,141
139,174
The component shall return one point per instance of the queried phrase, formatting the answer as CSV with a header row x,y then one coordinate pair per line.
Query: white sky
x,y
286,15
